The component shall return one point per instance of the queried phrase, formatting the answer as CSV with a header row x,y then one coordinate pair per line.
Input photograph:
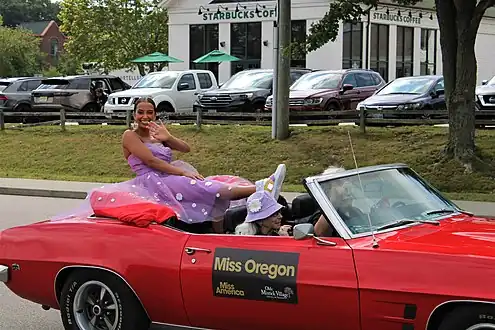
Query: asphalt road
x,y
17,313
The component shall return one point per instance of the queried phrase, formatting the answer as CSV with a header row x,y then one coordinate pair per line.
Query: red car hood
x,y
460,234
302,94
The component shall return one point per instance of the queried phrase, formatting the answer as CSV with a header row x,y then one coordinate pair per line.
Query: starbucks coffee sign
x,y
397,18
239,15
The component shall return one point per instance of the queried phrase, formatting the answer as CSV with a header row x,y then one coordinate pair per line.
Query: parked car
x,y
331,90
246,91
485,95
172,91
75,93
408,93
397,255
15,93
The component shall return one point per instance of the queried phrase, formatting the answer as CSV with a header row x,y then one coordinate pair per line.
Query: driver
x,y
264,217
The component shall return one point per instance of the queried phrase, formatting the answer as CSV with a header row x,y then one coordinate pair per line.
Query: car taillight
x,y
3,98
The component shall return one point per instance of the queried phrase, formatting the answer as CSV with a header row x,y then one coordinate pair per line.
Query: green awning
x,y
216,56
156,57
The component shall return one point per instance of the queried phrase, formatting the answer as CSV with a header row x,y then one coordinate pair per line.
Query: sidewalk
x,y
78,190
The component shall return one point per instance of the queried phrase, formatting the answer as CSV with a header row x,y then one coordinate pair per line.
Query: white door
x,y
186,89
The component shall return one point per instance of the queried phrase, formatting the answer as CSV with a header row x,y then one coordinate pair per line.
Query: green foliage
x,y
51,72
20,53
15,12
113,32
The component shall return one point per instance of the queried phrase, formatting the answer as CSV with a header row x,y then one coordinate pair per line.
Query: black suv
x,y
246,91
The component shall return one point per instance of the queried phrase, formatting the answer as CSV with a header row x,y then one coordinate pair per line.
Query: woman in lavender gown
x,y
195,199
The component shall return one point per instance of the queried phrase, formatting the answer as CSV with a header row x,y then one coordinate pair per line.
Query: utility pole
x,y
275,74
283,76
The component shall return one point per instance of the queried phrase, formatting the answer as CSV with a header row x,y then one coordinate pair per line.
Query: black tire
x,y
23,107
163,109
128,315
462,318
92,107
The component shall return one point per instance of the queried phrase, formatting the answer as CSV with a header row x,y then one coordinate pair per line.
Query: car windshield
x,y
317,80
250,79
386,197
160,80
407,86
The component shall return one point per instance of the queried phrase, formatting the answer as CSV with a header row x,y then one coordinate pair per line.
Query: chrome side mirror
x,y
307,230
303,231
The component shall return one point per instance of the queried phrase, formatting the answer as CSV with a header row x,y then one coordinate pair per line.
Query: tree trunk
x,y
457,38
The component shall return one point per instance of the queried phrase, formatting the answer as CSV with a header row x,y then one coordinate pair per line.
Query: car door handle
x,y
191,250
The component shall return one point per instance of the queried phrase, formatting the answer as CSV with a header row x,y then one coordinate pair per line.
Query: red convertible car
x,y
397,255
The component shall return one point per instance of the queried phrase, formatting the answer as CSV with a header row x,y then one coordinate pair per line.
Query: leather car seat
x,y
234,217
303,206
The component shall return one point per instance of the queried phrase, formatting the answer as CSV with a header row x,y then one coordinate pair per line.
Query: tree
x,y
458,21
113,32
15,12
20,53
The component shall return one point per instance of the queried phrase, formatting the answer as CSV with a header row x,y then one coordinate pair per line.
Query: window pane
x,y
400,43
408,44
374,41
254,41
357,42
298,35
347,37
245,40
383,42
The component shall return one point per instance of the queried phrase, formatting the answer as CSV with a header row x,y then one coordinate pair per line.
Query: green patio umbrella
x,y
156,57
216,56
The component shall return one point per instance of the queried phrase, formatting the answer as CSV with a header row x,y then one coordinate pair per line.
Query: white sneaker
x,y
273,184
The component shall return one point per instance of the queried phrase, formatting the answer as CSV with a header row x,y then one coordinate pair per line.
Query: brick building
x,y
52,39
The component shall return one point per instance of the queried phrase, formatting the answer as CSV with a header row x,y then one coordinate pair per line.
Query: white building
x,y
403,41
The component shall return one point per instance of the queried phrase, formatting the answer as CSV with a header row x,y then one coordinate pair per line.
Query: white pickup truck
x,y
172,91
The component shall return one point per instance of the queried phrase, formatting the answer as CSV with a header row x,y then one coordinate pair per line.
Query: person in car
x,y
148,150
176,184
264,217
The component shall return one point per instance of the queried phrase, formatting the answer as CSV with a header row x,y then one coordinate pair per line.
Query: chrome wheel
x,y
95,307
482,326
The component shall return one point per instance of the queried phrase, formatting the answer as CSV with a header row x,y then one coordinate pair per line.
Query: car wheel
x,y
93,299
470,318
24,108
91,108
163,110
332,107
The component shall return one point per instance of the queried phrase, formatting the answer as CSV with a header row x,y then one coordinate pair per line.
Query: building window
x,y
352,52
405,47
428,52
298,35
54,47
379,53
203,38
245,41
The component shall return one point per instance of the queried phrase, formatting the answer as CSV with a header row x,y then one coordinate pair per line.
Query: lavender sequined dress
x,y
193,200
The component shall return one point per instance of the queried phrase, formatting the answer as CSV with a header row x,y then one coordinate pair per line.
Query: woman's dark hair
x,y
142,100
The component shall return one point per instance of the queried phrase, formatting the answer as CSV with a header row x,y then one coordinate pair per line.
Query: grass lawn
x,y
93,153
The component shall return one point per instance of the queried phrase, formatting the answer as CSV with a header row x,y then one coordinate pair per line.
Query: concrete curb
x,y
34,192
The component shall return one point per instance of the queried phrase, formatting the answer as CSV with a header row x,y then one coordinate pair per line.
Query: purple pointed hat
x,y
261,205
